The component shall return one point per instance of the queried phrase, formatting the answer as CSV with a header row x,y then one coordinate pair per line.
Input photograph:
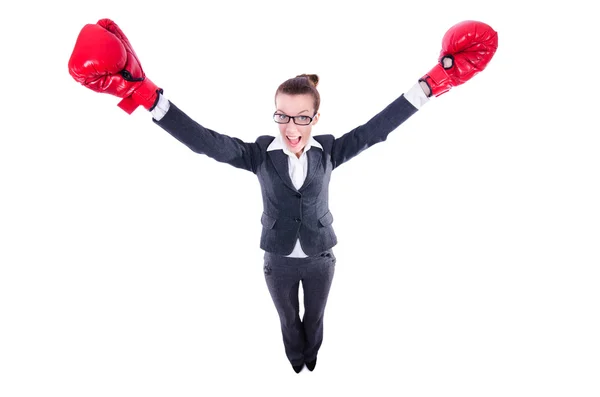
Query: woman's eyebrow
x,y
281,111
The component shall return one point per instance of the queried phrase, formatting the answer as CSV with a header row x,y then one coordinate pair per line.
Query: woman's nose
x,y
291,127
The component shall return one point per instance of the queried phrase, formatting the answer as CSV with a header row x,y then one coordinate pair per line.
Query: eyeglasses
x,y
281,118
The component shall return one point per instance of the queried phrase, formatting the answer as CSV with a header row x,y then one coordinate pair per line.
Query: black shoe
x,y
298,368
311,364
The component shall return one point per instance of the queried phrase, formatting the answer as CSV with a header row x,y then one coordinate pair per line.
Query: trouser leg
x,y
283,279
316,283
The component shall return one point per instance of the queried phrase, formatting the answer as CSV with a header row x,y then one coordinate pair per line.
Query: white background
x,y
468,247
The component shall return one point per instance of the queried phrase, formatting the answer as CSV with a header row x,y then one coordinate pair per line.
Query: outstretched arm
x,y
103,60
467,48
377,128
202,140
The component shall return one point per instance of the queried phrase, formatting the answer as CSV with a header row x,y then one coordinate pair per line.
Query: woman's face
x,y
302,107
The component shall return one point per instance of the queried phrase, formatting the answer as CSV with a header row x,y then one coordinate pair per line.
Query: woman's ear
x,y
316,118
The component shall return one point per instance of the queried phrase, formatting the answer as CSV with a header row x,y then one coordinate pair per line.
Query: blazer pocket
x,y
267,221
326,219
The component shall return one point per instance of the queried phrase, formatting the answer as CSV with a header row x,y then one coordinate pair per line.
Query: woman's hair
x,y
302,84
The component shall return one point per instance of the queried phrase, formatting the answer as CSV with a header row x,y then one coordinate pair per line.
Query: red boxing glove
x,y
467,48
104,61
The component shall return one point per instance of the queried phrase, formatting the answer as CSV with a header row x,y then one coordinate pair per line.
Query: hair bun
x,y
313,78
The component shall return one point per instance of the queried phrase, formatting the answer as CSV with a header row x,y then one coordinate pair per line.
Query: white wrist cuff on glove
x,y
161,108
416,96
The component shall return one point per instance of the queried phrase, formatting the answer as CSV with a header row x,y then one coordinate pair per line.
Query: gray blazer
x,y
290,213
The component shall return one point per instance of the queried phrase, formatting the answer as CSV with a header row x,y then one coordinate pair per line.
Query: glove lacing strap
x,y
145,94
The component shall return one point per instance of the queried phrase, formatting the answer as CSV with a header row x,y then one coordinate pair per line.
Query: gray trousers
x,y
302,338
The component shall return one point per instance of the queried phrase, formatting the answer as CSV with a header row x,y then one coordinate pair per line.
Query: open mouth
x,y
294,140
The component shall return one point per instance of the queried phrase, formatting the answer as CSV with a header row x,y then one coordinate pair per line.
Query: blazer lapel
x,y
280,162
314,162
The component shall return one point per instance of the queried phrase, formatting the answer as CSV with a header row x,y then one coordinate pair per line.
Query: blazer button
x,y
298,195
297,219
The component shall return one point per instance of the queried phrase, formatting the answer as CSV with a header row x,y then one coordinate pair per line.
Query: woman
x,y
293,168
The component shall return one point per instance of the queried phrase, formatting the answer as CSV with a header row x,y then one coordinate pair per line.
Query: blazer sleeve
x,y
199,139
374,131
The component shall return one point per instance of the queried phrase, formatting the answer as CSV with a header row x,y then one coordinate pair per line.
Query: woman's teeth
x,y
294,141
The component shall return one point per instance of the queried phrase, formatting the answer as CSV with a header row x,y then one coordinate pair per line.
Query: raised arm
x,y
375,130
467,48
220,147
103,60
